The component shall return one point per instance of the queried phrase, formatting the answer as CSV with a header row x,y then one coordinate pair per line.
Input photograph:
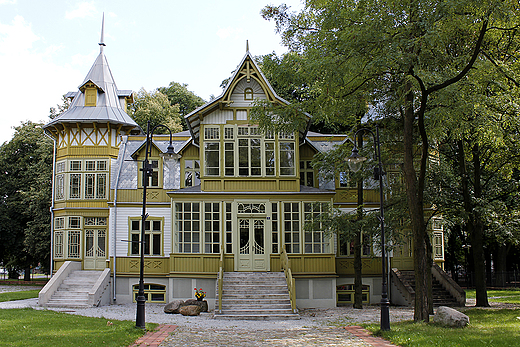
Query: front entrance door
x,y
95,254
253,252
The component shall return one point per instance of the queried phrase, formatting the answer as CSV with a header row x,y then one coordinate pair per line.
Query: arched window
x,y
248,94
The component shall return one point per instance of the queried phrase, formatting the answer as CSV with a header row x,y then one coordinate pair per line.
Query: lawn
x,y
28,327
510,296
487,328
25,294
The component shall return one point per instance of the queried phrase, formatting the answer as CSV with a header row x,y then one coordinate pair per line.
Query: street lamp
x,y
355,161
147,173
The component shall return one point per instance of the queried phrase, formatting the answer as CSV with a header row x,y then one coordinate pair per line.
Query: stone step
x,y
257,316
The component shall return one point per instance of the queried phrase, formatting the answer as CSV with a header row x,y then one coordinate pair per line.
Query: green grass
x,y
28,327
486,328
510,296
25,294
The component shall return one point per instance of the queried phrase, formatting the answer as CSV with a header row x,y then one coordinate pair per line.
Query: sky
x,y
47,47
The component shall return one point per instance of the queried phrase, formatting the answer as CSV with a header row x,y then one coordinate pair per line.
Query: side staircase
x,y
74,290
445,291
255,296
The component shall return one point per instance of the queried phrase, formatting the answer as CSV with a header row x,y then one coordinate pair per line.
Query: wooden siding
x,y
199,263
152,266
153,195
402,263
307,264
251,185
370,266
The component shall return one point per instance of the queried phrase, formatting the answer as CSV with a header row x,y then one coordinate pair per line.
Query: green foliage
x,y
486,328
25,196
156,108
59,109
178,94
28,327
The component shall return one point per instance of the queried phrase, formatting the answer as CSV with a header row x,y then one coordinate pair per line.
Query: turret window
x,y
76,184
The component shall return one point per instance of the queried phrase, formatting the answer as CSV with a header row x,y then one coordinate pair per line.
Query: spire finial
x,y
102,42
247,46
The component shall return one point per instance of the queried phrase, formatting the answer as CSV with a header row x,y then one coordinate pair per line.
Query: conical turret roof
x,y
109,103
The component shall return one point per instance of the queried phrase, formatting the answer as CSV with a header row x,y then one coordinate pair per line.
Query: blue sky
x,y
47,47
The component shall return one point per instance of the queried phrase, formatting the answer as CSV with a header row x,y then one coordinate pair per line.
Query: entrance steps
x,y
255,296
74,291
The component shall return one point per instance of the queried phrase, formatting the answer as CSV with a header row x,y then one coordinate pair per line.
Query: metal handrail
x,y
291,285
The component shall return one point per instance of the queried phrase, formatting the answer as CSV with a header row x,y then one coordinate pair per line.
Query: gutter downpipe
x,y
124,140
51,267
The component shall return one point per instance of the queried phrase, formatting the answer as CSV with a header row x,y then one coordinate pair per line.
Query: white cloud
x,y
3,2
31,81
84,9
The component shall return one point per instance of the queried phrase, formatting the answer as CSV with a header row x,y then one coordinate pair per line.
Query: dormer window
x,y
248,94
90,95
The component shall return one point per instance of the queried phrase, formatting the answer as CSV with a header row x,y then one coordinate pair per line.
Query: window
x,y
291,226
152,236
187,226
212,227
438,251
153,179
59,182
191,173
306,173
152,292
249,157
315,241
345,294
287,159
346,247
248,94
90,96
346,181
91,184
229,229
67,242
274,227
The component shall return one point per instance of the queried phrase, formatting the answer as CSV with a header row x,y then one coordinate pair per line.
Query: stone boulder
x,y
190,310
173,307
450,317
202,304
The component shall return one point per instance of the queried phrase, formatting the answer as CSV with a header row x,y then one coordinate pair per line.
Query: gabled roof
x,y
108,108
247,69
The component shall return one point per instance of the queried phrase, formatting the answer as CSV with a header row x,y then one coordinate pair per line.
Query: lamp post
x,y
355,161
147,173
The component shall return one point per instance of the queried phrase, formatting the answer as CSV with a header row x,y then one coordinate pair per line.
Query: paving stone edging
x,y
156,337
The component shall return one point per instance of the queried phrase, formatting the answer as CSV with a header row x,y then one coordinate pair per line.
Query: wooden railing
x,y
286,266
220,278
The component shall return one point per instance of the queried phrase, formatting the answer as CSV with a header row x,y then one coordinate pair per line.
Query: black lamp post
x,y
147,173
355,161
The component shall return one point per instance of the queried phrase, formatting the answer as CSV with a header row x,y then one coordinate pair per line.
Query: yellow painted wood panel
x,y
292,185
131,265
350,195
211,185
370,266
136,195
302,264
404,263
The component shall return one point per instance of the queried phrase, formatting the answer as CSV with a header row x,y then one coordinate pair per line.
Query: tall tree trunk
x,y
477,235
27,274
422,265
500,261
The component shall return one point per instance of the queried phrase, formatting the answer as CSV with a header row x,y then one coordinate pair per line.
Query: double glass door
x,y
253,252
95,249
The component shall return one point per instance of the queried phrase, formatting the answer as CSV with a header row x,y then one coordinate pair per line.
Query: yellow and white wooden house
x,y
230,193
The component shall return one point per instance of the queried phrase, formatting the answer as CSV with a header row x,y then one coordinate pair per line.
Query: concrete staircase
x,y
255,296
74,290
441,297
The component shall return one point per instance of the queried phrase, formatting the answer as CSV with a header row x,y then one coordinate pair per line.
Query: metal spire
x,y
102,42
247,46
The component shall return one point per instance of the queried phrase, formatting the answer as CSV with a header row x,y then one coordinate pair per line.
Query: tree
x,y
394,57
178,94
25,190
156,108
